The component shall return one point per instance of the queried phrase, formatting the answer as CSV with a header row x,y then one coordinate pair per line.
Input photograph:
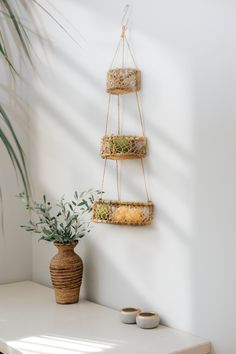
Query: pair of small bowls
x,y
144,320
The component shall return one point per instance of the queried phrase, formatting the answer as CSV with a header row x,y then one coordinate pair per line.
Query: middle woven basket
x,y
123,147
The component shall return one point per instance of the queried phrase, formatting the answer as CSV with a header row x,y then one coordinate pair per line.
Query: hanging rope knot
x,y
124,28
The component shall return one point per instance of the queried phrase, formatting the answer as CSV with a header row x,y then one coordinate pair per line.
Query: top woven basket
x,y
123,80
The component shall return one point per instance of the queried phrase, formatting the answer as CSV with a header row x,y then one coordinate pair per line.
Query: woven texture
x,y
121,81
66,269
123,147
122,213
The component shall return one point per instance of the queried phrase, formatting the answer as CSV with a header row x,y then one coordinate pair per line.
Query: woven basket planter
x,y
122,213
123,147
123,80
66,269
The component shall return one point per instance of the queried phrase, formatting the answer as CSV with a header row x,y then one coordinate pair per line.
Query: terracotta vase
x,y
66,269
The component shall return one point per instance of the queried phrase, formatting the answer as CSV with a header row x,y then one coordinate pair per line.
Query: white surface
x,y
184,265
31,322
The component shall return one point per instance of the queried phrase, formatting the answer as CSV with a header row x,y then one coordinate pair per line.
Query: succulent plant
x,y
119,144
102,212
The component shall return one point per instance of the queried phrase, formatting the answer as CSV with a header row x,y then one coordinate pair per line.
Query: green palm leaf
x,y
20,164
3,52
55,20
16,162
19,28
17,34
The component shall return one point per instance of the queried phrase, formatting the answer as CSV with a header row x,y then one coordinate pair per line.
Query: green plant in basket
x,y
65,222
119,144
102,212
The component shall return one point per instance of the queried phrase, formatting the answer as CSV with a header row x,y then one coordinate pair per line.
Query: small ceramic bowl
x,y
147,320
128,315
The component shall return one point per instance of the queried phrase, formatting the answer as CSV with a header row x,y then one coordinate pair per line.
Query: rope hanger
x,y
122,45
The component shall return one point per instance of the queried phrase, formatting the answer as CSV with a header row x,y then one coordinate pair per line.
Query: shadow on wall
x,y
67,134
102,269
174,266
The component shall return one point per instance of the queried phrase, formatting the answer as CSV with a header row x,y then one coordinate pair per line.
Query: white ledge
x,y
32,323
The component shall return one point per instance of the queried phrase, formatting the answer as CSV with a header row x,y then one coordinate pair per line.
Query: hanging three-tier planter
x,y
120,81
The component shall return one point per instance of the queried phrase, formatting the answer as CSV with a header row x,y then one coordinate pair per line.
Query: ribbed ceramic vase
x,y
66,269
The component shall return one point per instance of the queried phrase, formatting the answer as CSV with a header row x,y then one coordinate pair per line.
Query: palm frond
x,y
18,27
56,21
4,53
16,154
17,33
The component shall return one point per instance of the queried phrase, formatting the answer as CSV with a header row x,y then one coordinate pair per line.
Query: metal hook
x,y
125,17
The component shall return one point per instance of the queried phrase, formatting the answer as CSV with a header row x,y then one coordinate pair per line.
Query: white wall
x,y
184,264
15,245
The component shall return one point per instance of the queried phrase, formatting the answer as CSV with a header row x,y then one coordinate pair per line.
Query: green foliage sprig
x,y
65,223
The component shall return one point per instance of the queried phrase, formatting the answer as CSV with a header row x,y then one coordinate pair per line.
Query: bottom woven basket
x,y
122,213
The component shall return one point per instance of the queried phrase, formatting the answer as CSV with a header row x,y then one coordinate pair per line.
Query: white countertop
x,y
32,323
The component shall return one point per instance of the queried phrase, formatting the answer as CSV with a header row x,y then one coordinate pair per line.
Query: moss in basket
x,y
120,144
102,212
